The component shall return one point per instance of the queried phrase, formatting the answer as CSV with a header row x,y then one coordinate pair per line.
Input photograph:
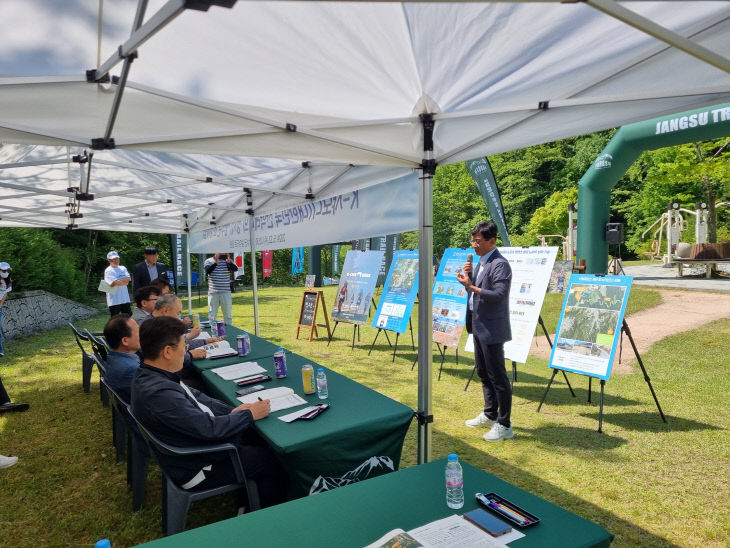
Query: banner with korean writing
x,y
386,208
449,298
590,324
399,293
335,259
483,176
357,284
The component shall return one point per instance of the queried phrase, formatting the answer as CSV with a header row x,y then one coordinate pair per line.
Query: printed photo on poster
x,y
357,284
560,276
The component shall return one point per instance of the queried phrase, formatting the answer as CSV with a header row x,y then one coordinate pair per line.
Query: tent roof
x,y
345,82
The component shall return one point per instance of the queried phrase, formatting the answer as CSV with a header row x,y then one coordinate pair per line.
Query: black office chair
x,y
87,361
125,433
100,352
176,501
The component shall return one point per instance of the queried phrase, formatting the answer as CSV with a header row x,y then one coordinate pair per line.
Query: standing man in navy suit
x,y
488,284
149,269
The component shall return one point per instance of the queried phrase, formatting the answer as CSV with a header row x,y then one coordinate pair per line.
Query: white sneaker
x,y
499,432
7,462
480,421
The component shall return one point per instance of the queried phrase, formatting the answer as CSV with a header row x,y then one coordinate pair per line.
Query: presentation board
x,y
531,270
357,283
399,293
450,298
590,324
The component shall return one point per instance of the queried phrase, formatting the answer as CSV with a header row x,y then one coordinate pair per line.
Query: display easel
x,y
624,329
308,314
355,329
395,349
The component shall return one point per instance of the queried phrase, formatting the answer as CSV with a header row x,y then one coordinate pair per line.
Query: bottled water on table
x,y
454,483
322,392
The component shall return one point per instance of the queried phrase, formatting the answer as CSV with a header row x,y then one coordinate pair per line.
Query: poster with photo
x,y
399,293
531,270
357,283
560,276
450,298
590,324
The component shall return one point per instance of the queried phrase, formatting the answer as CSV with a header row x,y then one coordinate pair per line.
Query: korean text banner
x,y
381,209
450,298
590,324
357,284
401,285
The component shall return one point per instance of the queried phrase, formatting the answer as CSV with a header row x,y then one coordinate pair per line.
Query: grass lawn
x,y
648,483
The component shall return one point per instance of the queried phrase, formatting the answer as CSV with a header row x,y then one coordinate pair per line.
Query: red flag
x,y
267,263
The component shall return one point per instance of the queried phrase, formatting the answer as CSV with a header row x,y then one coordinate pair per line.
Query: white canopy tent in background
x,y
370,84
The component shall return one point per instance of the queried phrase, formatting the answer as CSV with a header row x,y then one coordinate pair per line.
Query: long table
x,y
360,436
359,514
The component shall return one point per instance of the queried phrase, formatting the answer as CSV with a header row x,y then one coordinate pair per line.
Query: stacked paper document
x,y
238,370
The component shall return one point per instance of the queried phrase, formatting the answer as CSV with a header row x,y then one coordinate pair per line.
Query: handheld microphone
x,y
470,258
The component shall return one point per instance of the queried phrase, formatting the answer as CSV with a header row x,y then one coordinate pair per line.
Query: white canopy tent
x,y
371,84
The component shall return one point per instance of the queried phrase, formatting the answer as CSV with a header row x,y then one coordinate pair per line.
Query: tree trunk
x,y
711,211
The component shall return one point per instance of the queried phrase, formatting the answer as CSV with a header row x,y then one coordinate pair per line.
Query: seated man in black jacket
x,y
183,416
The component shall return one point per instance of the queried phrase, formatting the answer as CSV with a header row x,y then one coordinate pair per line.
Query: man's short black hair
x,y
157,333
487,230
116,329
160,283
144,293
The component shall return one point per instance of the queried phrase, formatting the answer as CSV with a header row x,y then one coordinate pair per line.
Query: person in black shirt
x,y
183,416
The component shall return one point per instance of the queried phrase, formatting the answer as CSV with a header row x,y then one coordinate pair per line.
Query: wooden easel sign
x,y
308,314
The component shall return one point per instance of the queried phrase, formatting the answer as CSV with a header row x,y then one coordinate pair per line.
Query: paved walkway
x,y
693,278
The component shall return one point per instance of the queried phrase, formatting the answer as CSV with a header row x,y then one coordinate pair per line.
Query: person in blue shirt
x,y
122,335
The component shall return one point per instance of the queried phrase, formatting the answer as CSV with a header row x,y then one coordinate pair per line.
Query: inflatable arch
x,y
594,188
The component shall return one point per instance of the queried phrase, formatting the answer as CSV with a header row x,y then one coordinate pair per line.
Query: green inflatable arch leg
x,y
594,188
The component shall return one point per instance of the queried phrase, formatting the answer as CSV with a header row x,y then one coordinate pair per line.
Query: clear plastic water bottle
x,y
454,483
247,338
103,543
322,392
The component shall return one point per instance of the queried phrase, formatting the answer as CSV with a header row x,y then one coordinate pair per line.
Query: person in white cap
x,y
6,286
118,278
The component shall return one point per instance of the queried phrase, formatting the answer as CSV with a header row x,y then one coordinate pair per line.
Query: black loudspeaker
x,y
614,233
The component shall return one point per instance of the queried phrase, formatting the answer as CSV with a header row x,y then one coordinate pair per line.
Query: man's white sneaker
x,y
7,462
499,432
480,421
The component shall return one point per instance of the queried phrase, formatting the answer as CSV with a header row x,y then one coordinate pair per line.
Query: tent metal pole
x,y
253,276
425,283
190,276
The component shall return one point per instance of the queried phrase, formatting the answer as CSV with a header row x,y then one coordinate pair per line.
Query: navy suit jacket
x,y
141,276
489,320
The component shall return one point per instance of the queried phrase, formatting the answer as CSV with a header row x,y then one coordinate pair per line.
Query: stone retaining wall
x,y
37,311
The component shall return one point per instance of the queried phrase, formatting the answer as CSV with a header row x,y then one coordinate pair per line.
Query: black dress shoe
x,y
10,406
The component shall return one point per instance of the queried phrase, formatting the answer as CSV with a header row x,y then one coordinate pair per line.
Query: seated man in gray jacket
x,y
183,416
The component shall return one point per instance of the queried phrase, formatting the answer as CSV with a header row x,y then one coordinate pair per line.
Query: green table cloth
x,y
360,436
361,513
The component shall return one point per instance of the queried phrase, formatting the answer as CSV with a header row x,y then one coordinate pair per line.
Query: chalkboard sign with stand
x,y
308,313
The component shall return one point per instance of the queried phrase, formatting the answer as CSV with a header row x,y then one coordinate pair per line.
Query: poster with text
x,y
357,283
590,324
531,270
399,293
450,298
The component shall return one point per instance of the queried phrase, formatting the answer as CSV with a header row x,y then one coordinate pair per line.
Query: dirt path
x,y
679,311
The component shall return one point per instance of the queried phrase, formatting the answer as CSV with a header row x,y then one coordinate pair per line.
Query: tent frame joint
x,y
91,77
422,417
102,143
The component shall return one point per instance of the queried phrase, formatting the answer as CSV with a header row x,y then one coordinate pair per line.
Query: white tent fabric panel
x,y
164,193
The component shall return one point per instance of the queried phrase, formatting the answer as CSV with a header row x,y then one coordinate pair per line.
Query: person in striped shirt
x,y
218,269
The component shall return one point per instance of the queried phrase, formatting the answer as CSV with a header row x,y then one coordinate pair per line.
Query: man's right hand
x,y
198,353
259,409
468,268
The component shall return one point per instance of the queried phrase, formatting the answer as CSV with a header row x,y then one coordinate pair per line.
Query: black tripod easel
x,y
355,328
624,329
397,335
442,350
